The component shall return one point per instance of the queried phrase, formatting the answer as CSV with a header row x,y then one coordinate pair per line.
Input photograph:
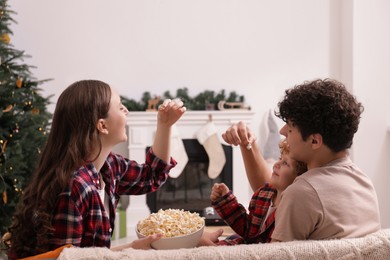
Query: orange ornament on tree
x,y
35,111
5,38
19,82
5,198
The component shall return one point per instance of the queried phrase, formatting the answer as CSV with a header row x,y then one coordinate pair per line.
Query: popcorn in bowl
x,y
180,229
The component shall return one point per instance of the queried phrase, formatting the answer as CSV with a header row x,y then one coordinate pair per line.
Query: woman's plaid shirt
x,y
250,228
80,217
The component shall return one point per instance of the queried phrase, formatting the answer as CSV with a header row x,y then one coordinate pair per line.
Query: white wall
x,y
371,71
257,48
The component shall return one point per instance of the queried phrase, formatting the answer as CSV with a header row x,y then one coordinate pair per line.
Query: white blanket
x,y
373,246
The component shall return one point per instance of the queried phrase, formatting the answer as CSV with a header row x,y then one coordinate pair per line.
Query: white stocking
x,y
178,152
207,136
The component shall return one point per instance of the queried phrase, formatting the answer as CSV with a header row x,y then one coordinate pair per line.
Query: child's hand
x,y
218,190
170,111
210,238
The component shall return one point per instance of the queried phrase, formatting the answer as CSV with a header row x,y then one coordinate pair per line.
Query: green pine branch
x,y
207,100
24,120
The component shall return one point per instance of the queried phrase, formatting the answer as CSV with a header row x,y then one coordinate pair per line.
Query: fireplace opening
x,y
191,190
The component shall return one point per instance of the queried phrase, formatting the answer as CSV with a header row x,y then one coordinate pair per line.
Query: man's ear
x,y
101,126
316,140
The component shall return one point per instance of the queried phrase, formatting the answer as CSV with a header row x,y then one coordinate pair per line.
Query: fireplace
x,y
141,131
191,190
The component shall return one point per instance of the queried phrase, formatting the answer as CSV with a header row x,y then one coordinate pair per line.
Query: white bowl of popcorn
x,y
180,229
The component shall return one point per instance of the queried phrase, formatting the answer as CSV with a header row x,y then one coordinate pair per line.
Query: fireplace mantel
x,y
141,132
195,117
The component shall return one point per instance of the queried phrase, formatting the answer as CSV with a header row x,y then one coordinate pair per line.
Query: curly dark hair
x,y
322,106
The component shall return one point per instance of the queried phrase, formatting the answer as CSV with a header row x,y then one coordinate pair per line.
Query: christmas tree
x,y
24,120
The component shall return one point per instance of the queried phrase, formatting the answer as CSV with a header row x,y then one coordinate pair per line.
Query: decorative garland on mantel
x,y
206,100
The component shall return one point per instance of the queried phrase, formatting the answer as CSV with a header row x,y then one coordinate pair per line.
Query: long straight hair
x,y
72,139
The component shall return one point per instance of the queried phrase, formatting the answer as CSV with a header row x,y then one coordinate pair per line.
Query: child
x,y
257,226
76,186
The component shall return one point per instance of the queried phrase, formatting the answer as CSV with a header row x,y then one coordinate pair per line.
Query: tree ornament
x,y
6,239
16,129
8,108
27,106
35,111
3,146
5,38
19,82
5,198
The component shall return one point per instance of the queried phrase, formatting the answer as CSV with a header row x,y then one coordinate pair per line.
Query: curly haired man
x,y
334,198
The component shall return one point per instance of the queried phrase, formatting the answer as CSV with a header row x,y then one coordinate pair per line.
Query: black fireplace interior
x,y
191,190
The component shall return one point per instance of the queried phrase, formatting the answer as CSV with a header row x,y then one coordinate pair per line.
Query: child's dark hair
x,y
322,107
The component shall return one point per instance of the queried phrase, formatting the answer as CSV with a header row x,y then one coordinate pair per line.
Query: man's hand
x,y
239,134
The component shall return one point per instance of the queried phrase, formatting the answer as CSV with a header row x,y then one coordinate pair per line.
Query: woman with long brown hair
x,y
76,186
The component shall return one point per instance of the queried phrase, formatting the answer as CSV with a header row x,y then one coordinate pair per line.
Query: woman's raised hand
x,y
170,111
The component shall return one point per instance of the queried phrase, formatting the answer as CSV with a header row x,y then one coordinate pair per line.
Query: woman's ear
x,y
101,126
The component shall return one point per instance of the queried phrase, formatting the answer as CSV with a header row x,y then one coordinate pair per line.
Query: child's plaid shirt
x,y
250,228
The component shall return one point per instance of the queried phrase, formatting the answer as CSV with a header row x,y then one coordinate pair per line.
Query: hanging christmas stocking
x,y
178,152
207,136
271,147
271,151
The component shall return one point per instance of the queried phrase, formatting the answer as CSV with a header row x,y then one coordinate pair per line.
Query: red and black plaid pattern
x,y
80,218
250,228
